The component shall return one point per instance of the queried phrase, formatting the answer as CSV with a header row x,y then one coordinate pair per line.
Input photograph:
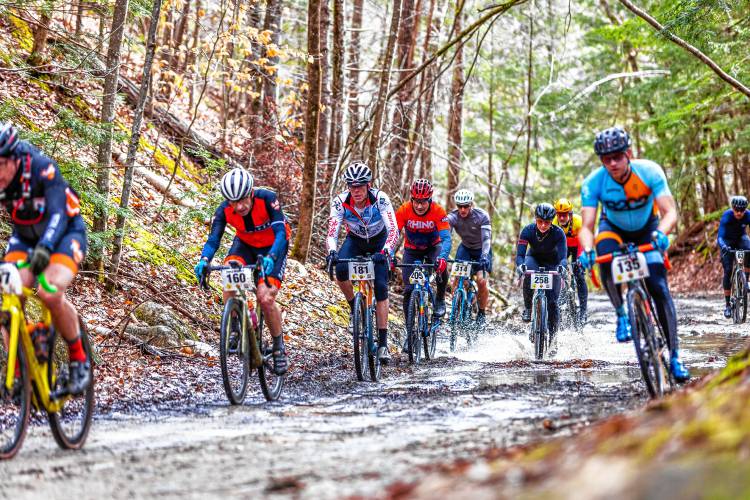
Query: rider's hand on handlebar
x,y
661,241
521,269
39,260
484,262
562,269
200,269
441,265
587,259
268,264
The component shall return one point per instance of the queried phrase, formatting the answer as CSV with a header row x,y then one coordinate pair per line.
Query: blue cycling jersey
x,y
629,205
732,229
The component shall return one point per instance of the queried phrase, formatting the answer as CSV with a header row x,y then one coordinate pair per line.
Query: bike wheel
x,y
359,337
644,339
372,354
235,359
539,324
413,328
270,383
430,340
15,404
71,424
456,317
739,294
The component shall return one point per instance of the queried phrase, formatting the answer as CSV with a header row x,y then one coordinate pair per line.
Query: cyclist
x,y
475,229
632,192
427,236
371,229
261,230
571,223
542,244
733,236
50,233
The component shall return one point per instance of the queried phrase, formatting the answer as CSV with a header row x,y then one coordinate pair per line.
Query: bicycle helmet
x,y
739,202
421,189
357,174
563,205
463,197
611,140
545,211
236,184
8,138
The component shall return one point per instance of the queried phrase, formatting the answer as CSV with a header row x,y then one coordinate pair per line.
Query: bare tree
x,y
354,46
337,84
455,115
325,90
272,23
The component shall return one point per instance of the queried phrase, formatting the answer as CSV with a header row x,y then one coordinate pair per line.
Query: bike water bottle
x,y
40,337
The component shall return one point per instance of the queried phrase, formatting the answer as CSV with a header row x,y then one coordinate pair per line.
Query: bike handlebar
x,y
258,265
473,262
46,286
603,259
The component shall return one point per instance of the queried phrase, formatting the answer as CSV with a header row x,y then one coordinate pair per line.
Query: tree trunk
x,y
529,81
79,18
104,157
491,141
179,35
337,86
455,121
309,176
325,90
354,47
385,77
135,137
272,23
36,57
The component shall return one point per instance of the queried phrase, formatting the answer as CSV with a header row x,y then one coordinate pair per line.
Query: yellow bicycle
x,y
43,369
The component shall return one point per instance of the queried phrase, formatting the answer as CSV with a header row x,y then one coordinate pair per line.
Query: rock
x,y
297,267
202,348
157,336
163,327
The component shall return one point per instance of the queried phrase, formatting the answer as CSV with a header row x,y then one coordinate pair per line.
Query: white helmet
x,y
463,197
236,184
357,173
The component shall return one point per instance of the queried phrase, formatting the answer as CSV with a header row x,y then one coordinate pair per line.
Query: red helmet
x,y
421,189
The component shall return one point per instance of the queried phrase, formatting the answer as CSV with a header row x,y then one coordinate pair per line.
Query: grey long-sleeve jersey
x,y
475,229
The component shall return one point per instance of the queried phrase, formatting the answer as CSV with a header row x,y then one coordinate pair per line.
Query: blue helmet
x,y
611,140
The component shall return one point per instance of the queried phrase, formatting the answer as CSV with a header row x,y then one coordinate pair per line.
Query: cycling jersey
x,y
41,204
422,232
364,223
732,229
629,205
575,222
548,249
475,229
264,226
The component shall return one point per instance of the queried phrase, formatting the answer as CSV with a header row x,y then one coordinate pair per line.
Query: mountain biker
x,y
261,231
427,237
542,244
50,233
474,227
571,223
634,194
733,236
371,229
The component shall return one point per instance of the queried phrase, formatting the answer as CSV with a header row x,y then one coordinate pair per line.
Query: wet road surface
x,y
331,437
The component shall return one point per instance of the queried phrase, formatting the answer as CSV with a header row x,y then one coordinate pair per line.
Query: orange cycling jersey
x,y
422,231
571,229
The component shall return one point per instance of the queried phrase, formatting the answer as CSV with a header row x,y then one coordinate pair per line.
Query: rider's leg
x,y
553,309
745,245
64,315
483,290
381,308
727,262
607,241
349,249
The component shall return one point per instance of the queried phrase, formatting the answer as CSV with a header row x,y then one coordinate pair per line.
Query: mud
x,y
331,436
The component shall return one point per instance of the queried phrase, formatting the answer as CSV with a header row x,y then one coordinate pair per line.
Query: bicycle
x,y
738,300
419,315
629,267
569,302
464,306
43,369
540,281
252,351
362,275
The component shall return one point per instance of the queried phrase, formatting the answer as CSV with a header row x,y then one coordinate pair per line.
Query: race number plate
x,y
629,267
235,280
361,271
417,278
541,281
10,279
461,270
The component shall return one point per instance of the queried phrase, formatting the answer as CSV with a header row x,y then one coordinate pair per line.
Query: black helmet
x,y
739,202
8,138
612,140
545,211
357,174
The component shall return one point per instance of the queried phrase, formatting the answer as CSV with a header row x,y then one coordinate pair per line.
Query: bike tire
x,y
359,337
235,366
540,327
644,340
739,293
70,426
271,384
413,328
472,311
456,317
14,409
430,341
372,354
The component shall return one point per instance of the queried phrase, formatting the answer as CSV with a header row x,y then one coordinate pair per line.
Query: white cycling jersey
x,y
366,223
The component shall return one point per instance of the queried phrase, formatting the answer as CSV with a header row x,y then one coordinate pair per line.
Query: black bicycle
x,y
420,328
243,344
738,300
651,346
540,281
